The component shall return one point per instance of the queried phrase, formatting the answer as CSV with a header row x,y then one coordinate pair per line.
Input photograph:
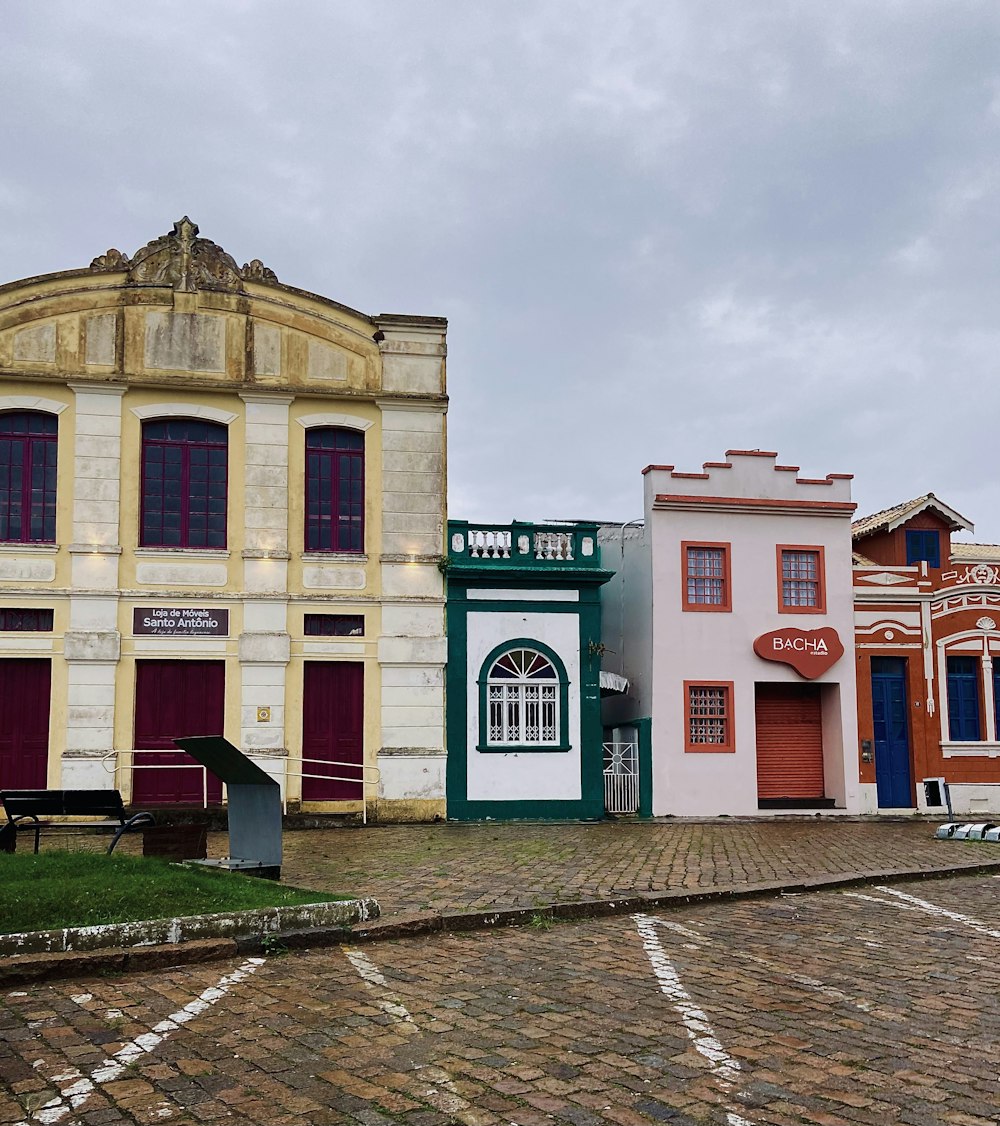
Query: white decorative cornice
x,y
30,403
328,418
276,397
116,389
184,410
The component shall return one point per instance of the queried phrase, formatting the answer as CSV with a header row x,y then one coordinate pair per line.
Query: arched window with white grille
x,y
523,700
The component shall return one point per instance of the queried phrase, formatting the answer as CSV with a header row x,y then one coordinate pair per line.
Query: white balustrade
x,y
554,545
487,544
500,543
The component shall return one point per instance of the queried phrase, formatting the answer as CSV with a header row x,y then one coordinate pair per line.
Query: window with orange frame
x,y
801,579
708,716
705,576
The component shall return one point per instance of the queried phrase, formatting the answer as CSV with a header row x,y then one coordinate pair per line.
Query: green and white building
x,y
523,678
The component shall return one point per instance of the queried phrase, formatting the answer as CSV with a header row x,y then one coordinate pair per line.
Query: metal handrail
x,y
112,767
370,775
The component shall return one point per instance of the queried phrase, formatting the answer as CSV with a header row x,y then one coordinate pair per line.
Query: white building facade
x,y
731,617
524,717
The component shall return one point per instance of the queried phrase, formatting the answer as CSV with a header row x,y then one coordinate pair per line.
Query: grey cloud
x,y
657,229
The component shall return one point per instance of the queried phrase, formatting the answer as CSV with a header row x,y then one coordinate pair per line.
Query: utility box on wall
x,y
936,792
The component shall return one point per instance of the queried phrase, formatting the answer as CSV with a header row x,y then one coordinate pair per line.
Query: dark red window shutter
x,y
335,490
184,484
28,449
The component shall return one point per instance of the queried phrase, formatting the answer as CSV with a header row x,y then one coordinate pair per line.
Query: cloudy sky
x,y
658,229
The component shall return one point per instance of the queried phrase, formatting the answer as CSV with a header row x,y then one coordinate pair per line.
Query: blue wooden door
x,y
892,733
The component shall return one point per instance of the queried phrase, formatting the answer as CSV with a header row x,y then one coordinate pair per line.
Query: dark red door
x,y
24,723
333,713
174,699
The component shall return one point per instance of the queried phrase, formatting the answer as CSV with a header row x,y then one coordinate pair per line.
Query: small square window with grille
x,y
25,621
709,717
334,625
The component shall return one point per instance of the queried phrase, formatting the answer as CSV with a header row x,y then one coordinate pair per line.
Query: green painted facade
x,y
504,566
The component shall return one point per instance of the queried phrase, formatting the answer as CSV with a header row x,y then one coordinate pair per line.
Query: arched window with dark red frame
x,y
184,483
28,447
335,490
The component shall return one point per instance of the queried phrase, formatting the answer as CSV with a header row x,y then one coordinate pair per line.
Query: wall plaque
x,y
174,621
809,651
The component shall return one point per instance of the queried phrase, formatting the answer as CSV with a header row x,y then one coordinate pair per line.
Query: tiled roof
x,y
893,517
963,551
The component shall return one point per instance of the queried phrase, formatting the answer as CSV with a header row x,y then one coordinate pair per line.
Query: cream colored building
x,y
222,507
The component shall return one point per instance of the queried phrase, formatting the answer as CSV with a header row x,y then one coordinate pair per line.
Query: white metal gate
x,y
621,777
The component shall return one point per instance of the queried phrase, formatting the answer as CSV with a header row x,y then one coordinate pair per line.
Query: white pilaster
x,y
96,486
266,495
265,649
91,646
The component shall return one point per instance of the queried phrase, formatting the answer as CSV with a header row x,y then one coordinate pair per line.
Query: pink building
x,y
731,616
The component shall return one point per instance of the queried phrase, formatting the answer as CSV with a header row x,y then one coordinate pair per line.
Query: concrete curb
x,y
22,968
459,921
232,925
25,969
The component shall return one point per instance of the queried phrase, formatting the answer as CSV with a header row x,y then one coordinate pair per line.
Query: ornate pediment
x,y
184,262
257,271
111,260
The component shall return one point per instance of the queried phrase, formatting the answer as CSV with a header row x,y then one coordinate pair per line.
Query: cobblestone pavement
x,y
834,1009
421,869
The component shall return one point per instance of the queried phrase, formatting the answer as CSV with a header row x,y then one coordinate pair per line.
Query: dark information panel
x,y
173,621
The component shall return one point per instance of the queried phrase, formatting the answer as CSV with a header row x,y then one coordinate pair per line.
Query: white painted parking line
x,y
75,1087
941,912
448,1101
696,1023
724,1067
677,928
739,955
877,899
374,976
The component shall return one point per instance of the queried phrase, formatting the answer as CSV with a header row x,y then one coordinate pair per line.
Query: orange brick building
x,y
927,632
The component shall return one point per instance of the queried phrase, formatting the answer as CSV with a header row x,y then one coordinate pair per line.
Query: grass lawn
x,y
75,889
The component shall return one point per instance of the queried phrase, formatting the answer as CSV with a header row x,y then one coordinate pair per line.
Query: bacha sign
x,y
810,652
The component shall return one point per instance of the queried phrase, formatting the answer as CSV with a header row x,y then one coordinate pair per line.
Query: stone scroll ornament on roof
x,y
184,262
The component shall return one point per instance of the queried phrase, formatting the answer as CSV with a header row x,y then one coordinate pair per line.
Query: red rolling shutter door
x,y
789,741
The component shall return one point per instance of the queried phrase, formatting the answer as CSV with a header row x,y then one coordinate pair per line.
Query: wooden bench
x,y
26,809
